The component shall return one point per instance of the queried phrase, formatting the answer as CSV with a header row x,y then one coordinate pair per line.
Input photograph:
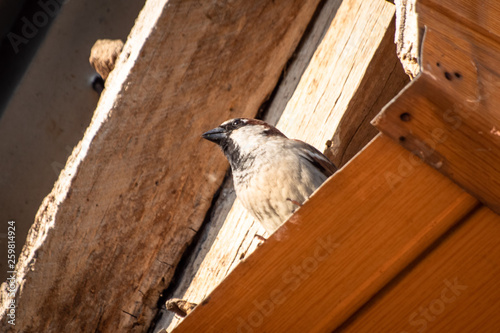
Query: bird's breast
x,y
273,193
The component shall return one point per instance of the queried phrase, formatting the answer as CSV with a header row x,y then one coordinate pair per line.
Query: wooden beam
x,y
453,288
449,114
360,229
383,79
358,35
107,240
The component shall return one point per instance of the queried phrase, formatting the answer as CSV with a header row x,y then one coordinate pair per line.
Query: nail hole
x,y
156,183
438,64
447,76
405,116
402,139
458,75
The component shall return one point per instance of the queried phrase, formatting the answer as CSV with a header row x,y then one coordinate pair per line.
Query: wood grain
x,y
383,79
359,230
449,115
481,16
453,288
333,76
106,241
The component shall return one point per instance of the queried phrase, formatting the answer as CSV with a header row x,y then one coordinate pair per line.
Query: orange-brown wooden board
x,y
481,15
452,288
356,233
449,115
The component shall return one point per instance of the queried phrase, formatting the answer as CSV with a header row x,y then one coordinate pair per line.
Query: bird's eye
x,y
237,122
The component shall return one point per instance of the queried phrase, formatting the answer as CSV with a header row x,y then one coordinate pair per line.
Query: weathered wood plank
x,y
453,288
383,79
449,114
359,36
352,237
336,70
302,58
107,239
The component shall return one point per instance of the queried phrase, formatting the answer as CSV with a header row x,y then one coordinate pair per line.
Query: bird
x,y
272,174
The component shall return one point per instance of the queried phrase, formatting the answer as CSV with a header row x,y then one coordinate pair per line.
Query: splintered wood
x,y
407,36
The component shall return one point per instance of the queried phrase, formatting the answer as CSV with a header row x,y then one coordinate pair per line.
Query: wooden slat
x,y
453,288
360,229
133,194
480,15
449,115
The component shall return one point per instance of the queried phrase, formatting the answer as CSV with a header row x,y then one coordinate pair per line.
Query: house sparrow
x,y
272,175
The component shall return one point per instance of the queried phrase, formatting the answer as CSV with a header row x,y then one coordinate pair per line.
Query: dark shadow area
x,y
24,26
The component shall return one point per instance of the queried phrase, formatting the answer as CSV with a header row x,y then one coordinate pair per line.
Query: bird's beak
x,y
215,135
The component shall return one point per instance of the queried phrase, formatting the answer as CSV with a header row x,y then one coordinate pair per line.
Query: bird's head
x,y
240,138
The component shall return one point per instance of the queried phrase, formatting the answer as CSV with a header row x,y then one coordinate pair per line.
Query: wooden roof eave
x,y
384,208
